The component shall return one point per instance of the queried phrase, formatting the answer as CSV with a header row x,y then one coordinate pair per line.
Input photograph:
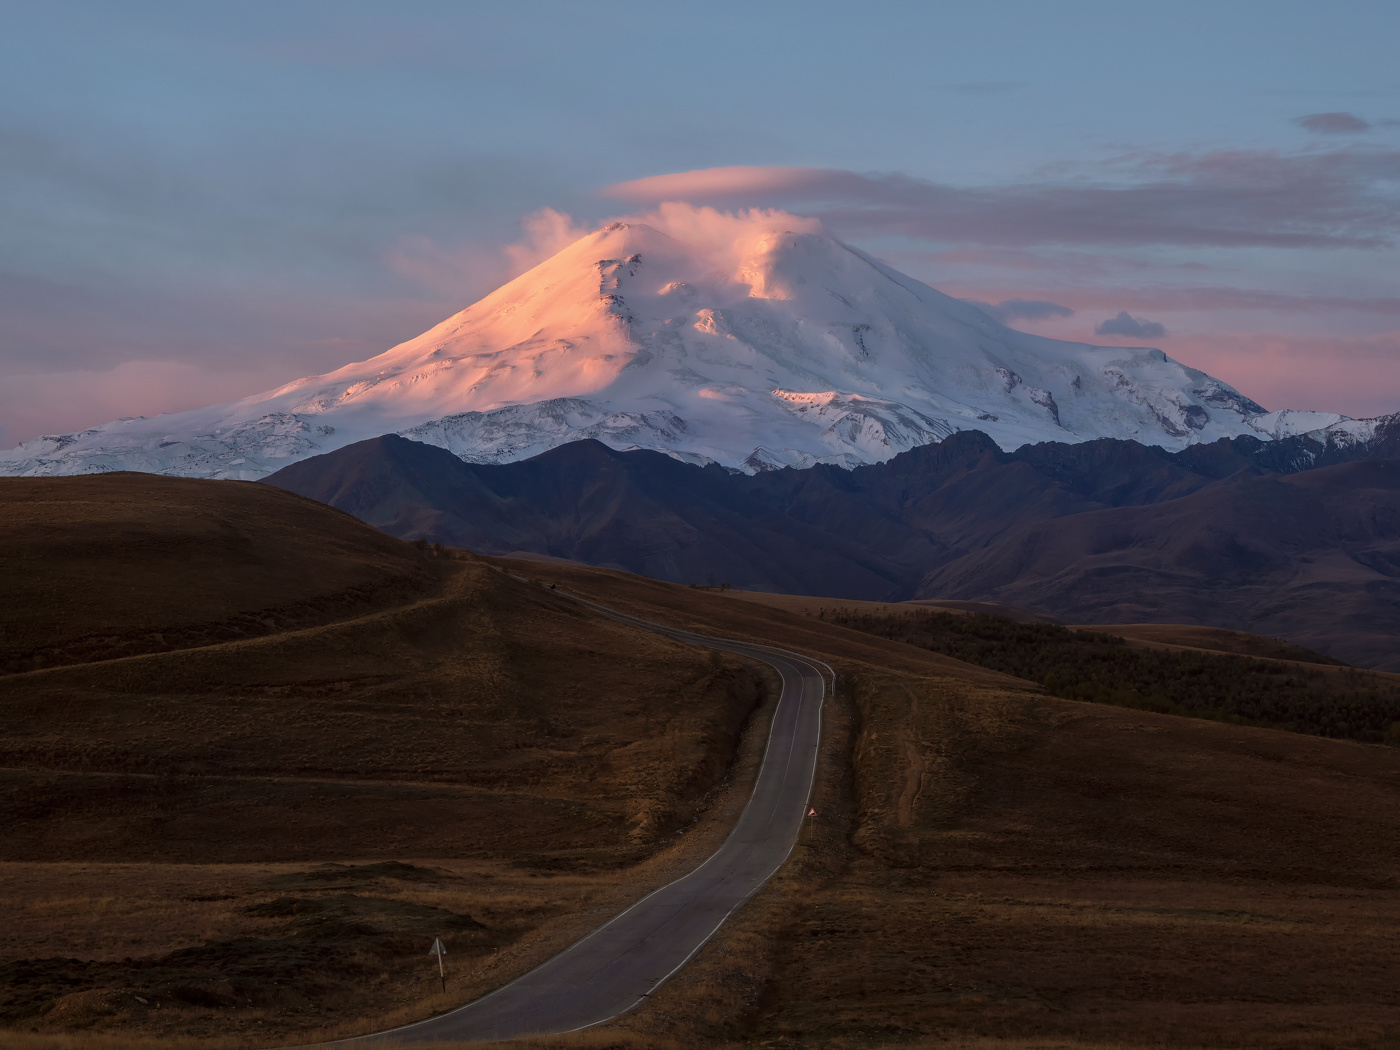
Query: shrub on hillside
x,y
1105,669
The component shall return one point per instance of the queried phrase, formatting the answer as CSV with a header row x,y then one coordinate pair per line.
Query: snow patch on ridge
x,y
521,431
1291,423
872,428
242,450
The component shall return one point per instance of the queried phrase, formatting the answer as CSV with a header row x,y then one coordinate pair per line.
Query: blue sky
x,y
201,201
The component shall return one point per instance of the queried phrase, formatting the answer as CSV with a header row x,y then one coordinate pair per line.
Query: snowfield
x,y
786,348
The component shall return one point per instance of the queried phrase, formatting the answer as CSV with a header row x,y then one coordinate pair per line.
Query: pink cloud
x,y
1169,298
1185,299
1221,199
468,272
708,183
1081,264
727,237
547,232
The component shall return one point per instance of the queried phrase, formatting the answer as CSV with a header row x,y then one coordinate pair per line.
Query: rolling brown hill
x,y
998,869
110,565
239,686
250,841
1312,557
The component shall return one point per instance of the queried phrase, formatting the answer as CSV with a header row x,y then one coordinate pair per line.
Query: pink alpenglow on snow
x,y
1221,248
755,340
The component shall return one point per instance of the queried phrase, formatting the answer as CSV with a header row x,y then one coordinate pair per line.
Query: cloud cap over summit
x,y
752,339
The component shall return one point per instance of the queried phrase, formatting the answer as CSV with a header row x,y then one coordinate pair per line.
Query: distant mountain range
x,y
1297,537
778,347
642,398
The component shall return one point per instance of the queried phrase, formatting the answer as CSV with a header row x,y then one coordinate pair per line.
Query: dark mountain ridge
x,y
1312,556
1100,531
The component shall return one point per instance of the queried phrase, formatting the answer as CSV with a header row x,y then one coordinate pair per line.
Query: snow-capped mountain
x,y
785,348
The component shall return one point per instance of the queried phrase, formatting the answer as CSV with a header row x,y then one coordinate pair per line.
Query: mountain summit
x,y
774,346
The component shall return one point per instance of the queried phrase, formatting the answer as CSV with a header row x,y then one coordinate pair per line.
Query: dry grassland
x,y
811,605
110,565
996,867
259,836
610,1040
1191,638
1151,635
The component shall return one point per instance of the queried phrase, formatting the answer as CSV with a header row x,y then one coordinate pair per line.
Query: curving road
x,y
621,963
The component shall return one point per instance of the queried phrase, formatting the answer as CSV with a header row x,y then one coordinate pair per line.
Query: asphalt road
x,y
618,965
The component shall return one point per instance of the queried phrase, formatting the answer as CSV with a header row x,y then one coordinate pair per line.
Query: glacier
x,y
787,348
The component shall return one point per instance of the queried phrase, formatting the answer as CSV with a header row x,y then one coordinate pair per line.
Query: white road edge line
x,y
703,640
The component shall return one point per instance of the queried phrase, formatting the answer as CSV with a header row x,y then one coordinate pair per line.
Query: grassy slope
x,y
1316,697
151,803
992,866
113,564
1212,639
1151,635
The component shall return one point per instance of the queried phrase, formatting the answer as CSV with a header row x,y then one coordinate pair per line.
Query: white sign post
x,y
439,949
